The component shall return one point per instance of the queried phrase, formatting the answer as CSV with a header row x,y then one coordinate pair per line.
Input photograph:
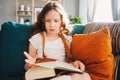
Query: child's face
x,y
53,22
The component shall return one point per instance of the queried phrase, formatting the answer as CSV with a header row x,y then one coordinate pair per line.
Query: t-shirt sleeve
x,y
35,40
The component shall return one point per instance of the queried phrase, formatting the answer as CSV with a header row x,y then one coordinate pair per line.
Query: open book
x,y
47,69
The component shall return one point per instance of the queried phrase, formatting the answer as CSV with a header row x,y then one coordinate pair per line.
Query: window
x,y
103,11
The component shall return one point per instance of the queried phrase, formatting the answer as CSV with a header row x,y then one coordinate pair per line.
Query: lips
x,y
52,29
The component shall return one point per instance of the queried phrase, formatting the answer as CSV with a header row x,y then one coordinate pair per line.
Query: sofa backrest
x,y
77,28
114,28
13,41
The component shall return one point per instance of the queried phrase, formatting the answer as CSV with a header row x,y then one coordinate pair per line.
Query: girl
x,y
52,21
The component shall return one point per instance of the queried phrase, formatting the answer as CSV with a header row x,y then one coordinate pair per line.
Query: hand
x,y
79,64
30,61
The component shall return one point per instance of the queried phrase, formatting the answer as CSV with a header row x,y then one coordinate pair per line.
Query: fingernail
x,y
25,52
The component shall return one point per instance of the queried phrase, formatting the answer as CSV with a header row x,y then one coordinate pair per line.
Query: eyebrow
x,y
54,18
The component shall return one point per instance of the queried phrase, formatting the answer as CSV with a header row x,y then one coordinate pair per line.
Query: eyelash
x,y
50,20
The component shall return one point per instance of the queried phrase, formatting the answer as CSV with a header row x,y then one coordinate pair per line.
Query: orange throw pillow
x,y
95,51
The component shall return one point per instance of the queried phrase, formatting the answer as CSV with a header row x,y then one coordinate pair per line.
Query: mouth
x,y
52,29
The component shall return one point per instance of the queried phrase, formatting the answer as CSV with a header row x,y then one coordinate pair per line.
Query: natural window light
x,y
103,11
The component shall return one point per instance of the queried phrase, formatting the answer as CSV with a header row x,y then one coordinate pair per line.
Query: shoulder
x,y
36,40
36,37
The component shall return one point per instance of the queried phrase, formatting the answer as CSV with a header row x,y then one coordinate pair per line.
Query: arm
x,y
32,51
31,57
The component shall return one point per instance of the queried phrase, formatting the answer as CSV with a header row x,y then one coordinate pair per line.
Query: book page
x,y
66,66
59,65
51,64
37,72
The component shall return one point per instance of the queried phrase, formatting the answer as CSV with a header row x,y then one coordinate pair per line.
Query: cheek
x,y
47,25
60,23
59,26
58,29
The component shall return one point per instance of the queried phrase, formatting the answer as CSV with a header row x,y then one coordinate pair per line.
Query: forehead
x,y
53,14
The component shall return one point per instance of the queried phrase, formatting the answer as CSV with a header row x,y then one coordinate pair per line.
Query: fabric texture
x,y
95,51
13,41
114,28
50,47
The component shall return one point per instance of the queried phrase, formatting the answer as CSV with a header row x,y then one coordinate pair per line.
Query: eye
x,y
47,20
56,20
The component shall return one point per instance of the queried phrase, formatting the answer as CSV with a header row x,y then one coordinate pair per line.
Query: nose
x,y
52,23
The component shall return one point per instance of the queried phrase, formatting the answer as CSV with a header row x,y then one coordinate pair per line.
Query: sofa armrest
x,y
116,67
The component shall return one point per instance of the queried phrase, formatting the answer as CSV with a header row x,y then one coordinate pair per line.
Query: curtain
x,y
115,10
91,8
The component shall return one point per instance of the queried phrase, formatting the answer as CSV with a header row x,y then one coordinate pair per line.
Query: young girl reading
x,y
52,21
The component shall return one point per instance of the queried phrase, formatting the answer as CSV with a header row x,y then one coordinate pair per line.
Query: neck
x,y
52,36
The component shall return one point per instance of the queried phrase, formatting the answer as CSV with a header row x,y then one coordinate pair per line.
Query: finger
x,y
28,66
27,55
29,61
75,64
81,66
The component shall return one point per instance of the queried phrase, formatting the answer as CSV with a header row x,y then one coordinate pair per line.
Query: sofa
x,y
14,41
